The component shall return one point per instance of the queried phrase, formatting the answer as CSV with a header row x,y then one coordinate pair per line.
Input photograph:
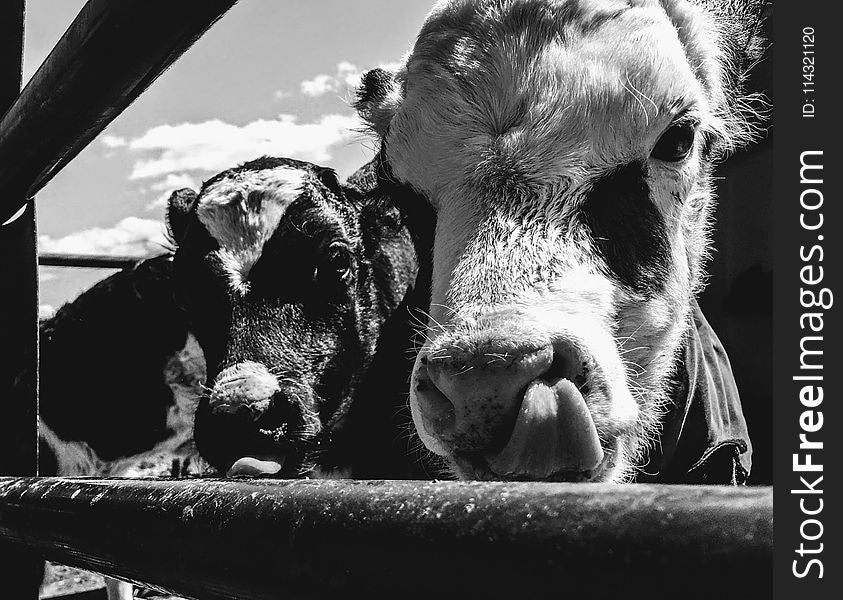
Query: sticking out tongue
x,y
252,466
554,433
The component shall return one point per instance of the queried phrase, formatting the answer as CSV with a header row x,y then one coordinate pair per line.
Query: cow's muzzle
x,y
518,407
248,425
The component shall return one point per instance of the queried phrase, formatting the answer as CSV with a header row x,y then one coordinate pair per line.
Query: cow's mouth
x,y
238,443
283,459
556,411
554,438
554,435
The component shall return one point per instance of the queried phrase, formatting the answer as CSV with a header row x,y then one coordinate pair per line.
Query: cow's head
x,y
565,147
286,294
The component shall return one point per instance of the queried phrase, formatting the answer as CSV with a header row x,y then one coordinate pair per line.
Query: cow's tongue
x,y
554,433
253,466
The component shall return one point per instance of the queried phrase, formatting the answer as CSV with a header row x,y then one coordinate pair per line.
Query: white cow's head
x,y
565,148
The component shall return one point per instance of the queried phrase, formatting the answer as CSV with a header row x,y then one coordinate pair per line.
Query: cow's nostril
x,y
470,401
568,363
437,411
276,416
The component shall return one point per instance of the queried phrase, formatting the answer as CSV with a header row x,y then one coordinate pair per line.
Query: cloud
x,y
131,236
45,311
345,76
171,156
114,141
174,181
214,145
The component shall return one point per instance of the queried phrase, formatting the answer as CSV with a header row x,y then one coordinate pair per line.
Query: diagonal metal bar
x,y
109,55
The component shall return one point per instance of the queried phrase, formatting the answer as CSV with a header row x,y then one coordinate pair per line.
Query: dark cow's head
x,y
288,279
566,148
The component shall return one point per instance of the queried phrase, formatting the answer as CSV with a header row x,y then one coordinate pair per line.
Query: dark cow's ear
x,y
178,209
378,97
329,179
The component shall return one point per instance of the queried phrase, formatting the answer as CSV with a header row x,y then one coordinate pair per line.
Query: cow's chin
x,y
614,468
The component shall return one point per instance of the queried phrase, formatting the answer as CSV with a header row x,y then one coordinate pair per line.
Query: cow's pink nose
x,y
470,400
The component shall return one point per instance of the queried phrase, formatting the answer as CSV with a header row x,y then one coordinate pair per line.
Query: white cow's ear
x,y
723,44
378,97
743,19
178,209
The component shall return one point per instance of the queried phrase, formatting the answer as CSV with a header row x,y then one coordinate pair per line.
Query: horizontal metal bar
x,y
109,55
214,539
92,261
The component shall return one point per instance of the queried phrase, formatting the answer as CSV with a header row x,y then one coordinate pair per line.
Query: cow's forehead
x,y
242,210
246,207
536,19
545,87
581,55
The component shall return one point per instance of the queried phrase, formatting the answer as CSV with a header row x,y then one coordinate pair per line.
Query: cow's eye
x,y
676,143
337,264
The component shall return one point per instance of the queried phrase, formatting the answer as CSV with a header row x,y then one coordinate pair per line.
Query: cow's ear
x,y
740,27
329,179
741,24
378,97
178,209
723,41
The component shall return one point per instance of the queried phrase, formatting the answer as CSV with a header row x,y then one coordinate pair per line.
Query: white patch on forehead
x,y
243,210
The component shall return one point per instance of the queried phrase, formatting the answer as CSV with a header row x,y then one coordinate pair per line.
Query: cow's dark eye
x,y
676,143
337,264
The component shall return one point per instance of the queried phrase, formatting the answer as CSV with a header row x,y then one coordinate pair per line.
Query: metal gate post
x,y
21,572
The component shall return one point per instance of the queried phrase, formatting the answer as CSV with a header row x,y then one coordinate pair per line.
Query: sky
x,y
271,77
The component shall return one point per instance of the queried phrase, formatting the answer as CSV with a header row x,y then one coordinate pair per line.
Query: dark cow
x,y
122,373
299,290
120,377
565,149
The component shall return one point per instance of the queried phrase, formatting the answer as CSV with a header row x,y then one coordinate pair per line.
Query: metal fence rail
x,y
215,539
89,261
